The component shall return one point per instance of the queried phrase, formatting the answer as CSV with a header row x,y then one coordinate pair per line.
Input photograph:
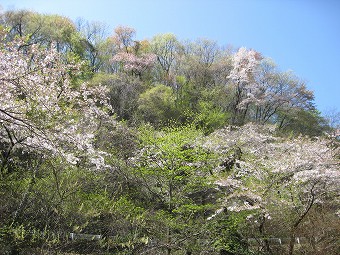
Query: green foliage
x,y
226,235
305,122
202,107
156,105
176,173
210,118
164,187
124,92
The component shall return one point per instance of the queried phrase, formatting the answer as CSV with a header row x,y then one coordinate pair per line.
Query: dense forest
x,y
112,145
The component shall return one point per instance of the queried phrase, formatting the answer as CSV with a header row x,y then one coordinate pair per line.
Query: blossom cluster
x,y
40,108
272,165
245,63
136,64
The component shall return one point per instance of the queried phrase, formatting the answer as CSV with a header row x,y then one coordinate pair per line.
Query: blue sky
x,y
299,35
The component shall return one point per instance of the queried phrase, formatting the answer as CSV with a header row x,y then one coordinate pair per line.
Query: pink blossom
x,y
136,64
40,109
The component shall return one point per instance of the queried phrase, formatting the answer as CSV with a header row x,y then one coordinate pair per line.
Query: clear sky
x,y
299,35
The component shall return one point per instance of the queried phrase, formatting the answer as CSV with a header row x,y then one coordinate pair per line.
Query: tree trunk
x,y
261,230
291,244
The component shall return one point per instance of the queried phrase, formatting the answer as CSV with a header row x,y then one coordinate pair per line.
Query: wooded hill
x,y
111,145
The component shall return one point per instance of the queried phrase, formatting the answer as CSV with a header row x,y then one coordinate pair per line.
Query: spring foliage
x,y
119,146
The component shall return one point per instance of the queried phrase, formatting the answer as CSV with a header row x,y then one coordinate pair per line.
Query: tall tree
x,y
175,172
41,109
245,65
166,47
124,38
94,37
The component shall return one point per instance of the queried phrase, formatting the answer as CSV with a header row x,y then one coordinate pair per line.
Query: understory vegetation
x,y
112,145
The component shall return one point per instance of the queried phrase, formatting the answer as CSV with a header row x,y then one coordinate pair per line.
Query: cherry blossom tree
x,y
129,56
279,181
245,64
42,110
273,96
133,63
